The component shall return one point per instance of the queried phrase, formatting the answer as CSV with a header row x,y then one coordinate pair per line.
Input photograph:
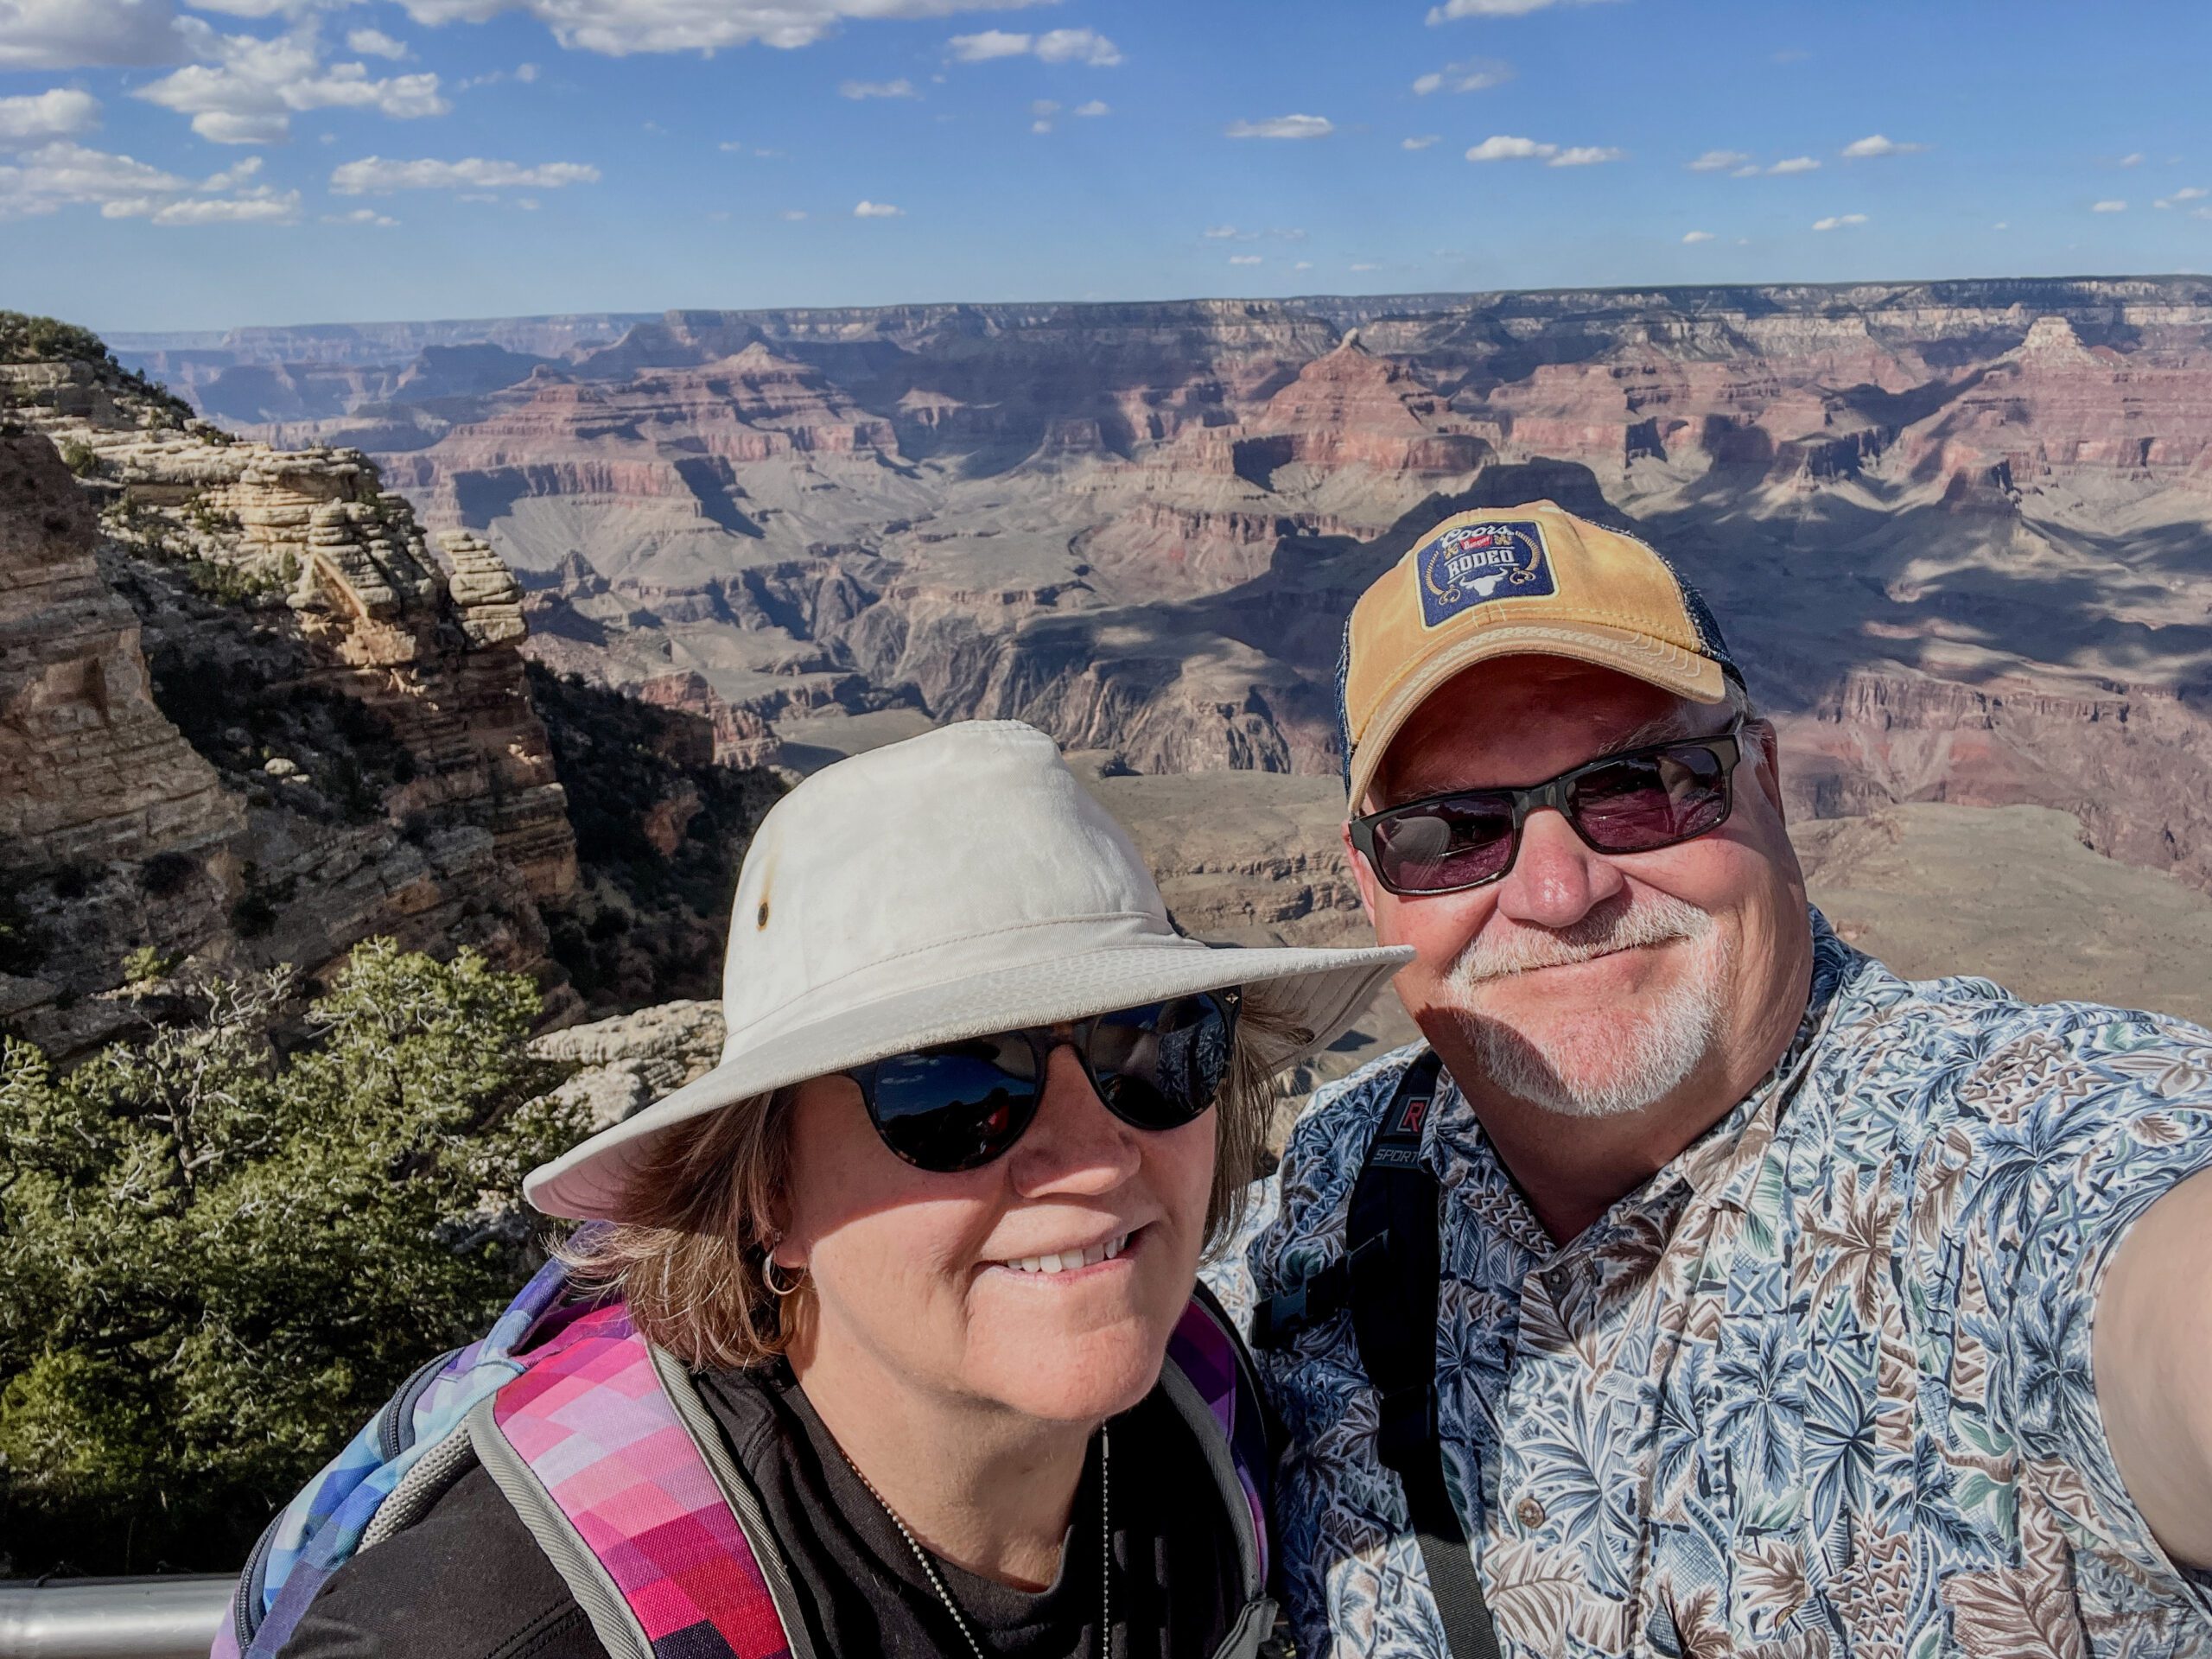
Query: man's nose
x,y
1075,1147
1556,879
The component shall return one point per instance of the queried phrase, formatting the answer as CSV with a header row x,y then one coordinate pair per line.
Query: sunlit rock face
x,y
246,714
1958,531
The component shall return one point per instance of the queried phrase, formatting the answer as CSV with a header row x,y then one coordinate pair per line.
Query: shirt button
x,y
1530,1512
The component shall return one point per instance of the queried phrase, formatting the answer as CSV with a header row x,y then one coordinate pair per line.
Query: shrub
x,y
217,1258
80,459
166,874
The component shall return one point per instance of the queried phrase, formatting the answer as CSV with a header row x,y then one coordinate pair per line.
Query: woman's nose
x,y
1075,1146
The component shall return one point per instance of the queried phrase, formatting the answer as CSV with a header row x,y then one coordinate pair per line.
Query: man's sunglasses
x,y
959,1105
1636,802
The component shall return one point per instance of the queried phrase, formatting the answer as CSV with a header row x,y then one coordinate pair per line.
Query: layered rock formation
x,y
243,715
1959,531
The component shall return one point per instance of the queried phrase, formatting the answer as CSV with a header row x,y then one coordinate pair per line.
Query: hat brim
x,y
1320,992
1669,667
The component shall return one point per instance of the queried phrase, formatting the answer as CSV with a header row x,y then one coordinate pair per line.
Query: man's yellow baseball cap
x,y
1531,579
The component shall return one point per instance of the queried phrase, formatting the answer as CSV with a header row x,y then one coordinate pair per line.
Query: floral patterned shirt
x,y
1820,1387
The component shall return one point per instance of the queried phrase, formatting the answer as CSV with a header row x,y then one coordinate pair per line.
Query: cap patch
x,y
1471,563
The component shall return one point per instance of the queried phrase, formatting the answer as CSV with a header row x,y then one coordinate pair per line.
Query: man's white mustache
x,y
1659,919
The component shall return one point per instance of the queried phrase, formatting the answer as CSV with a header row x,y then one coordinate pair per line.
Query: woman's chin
x,y
1083,1379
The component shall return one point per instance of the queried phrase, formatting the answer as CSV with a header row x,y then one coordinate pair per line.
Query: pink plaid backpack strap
x,y
613,1477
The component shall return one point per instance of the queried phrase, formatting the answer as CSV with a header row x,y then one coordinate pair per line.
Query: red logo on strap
x,y
1409,1121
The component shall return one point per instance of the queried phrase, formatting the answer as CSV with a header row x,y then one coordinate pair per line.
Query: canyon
x,y
1958,533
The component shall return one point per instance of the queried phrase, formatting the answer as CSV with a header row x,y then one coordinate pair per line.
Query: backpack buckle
x,y
1405,1426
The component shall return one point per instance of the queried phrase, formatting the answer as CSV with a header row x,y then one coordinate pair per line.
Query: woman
x,y
899,1274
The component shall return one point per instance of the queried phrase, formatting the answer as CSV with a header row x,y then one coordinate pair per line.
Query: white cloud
x,y
1585,155
1303,264
1367,265
1077,46
738,147
1876,144
877,210
1220,232
1691,237
1838,221
2109,208
62,174
859,89
2187,193
1421,143
1503,147
1096,106
1796,164
373,176
1054,45
525,73
1452,11
1284,126
991,43
375,43
2000,225
359,216
1044,106
618,27
1715,161
88,34
235,210
253,88
2133,160
56,114
1040,125
1244,260
1749,170
794,215
1475,75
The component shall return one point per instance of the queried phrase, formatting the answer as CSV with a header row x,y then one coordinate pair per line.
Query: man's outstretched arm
x,y
2153,1353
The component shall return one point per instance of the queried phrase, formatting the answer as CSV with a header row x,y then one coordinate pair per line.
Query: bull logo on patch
x,y
1471,563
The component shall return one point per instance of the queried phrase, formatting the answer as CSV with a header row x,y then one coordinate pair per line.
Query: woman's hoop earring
x,y
769,1266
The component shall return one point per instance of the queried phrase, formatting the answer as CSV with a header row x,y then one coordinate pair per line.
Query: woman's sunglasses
x,y
959,1105
1638,802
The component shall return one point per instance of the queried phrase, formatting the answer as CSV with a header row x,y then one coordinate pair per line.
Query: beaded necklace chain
x,y
1106,1551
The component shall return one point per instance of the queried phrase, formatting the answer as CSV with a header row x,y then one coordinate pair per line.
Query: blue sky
x,y
172,165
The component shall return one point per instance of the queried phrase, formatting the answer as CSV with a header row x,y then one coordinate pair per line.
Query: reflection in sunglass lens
x,y
1160,1067
955,1107
1651,800
1448,843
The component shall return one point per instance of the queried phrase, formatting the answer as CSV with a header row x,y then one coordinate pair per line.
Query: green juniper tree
x,y
219,1256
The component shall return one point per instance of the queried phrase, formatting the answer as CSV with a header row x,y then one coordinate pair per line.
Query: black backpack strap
x,y
1388,1277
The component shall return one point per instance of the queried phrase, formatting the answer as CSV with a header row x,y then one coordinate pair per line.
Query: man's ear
x,y
1762,732
1367,886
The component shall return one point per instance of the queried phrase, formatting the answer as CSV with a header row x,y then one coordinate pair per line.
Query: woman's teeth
x,y
1068,1260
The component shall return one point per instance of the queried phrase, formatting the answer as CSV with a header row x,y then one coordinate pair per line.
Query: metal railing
x,y
173,1618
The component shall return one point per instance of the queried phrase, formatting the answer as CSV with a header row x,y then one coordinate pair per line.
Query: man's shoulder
x,y
1344,1111
1965,1049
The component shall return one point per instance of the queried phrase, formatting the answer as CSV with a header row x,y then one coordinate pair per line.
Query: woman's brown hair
x,y
705,1204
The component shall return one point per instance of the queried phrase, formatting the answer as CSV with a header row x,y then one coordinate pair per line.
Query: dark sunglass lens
x,y
1652,800
1439,845
1160,1067
956,1107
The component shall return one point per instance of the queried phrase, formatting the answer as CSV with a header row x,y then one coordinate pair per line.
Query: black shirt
x,y
468,1581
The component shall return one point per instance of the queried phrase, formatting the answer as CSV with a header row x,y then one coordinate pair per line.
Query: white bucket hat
x,y
954,885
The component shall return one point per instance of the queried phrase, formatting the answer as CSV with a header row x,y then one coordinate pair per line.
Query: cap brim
x,y
1685,673
1319,991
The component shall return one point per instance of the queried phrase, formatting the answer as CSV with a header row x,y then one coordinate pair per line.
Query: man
x,y
1768,1280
